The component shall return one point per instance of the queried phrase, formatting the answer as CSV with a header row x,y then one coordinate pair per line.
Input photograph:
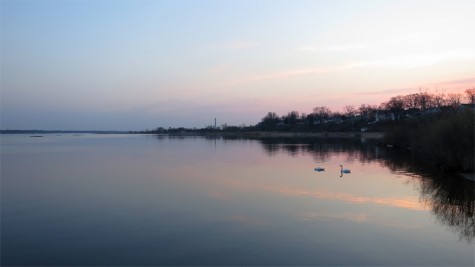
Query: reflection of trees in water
x,y
321,149
451,199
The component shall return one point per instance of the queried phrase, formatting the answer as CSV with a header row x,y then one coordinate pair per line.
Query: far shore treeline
x,y
437,127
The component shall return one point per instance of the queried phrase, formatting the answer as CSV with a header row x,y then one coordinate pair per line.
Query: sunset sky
x,y
131,65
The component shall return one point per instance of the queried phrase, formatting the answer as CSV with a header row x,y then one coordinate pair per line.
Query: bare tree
x,y
396,105
454,100
291,117
411,101
470,94
350,111
424,100
438,99
367,111
303,117
271,119
322,113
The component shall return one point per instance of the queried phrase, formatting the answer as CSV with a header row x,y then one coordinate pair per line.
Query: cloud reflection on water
x,y
449,197
405,203
397,177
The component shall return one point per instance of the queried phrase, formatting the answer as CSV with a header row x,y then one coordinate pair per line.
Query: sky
x,y
134,65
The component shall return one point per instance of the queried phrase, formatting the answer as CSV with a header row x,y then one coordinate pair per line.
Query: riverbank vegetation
x,y
446,139
437,127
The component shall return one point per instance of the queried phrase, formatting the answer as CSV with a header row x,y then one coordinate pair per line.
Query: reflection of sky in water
x,y
140,200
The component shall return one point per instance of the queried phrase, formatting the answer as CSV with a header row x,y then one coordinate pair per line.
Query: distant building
x,y
470,107
336,120
412,112
385,115
431,111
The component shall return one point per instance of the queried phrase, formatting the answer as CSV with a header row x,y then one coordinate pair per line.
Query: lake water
x,y
146,200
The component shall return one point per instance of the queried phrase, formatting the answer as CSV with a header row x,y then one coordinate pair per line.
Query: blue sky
x,y
131,65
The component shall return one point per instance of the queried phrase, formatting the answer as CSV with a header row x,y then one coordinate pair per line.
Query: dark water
x,y
147,200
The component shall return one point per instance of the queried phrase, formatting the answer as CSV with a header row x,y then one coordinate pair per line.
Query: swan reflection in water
x,y
319,169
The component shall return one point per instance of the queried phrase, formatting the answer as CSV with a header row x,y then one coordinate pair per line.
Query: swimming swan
x,y
344,170
318,169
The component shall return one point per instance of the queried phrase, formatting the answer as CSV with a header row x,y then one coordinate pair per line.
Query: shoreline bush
x,y
446,139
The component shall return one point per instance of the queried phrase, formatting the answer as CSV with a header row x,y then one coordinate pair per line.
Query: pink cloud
x,y
454,84
287,74
401,62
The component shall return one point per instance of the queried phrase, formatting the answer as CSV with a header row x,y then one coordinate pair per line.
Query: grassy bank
x,y
447,140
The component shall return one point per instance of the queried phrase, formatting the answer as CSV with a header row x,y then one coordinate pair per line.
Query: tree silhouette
x,y
322,113
350,111
291,118
454,100
470,93
396,105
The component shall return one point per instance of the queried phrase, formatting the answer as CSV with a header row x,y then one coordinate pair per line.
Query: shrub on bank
x,y
445,139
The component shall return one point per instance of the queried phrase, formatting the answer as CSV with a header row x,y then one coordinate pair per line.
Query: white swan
x,y
344,170
318,169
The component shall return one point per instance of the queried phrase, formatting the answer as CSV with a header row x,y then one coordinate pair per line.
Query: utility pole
x,y
214,123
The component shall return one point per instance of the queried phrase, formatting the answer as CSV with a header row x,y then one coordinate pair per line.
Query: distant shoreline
x,y
257,134
59,132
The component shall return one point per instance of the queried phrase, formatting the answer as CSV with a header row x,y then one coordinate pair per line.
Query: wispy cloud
x,y
469,82
404,62
392,91
360,46
240,45
418,60
462,81
286,74
334,48
219,69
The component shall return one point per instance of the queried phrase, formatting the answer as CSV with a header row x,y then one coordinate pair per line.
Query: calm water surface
x,y
147,200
